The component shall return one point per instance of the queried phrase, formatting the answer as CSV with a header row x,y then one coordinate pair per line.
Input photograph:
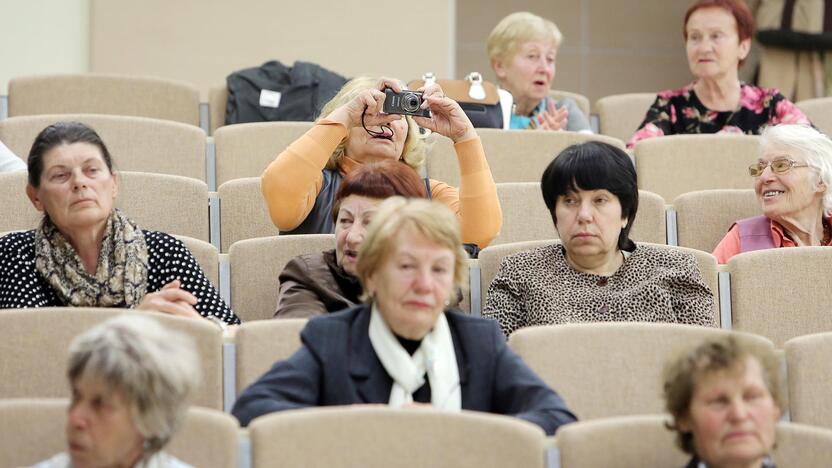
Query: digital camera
x,y
406,103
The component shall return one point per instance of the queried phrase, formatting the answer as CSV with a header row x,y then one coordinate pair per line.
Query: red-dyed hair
x,y
738,9
380,180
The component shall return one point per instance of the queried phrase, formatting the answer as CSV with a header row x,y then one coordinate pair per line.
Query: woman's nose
x,y
423,280
76,416
585,212
355,236
738,409
79,180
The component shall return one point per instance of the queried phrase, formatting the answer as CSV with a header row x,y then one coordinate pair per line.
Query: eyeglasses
x,y
778,166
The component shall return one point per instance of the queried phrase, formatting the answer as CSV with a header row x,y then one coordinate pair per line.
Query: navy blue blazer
x,y
337,366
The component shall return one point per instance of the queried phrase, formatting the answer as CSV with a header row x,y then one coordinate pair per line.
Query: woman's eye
x,y
59,176
600,201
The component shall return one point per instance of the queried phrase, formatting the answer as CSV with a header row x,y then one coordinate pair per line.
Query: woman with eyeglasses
x,y
791,180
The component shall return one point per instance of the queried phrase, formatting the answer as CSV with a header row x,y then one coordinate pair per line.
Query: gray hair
x,y
516,29
813,146
157,369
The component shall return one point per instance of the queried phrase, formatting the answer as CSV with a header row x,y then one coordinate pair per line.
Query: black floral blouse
x,y
680,111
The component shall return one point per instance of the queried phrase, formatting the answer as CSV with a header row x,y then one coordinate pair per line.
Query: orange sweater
x,y
292,181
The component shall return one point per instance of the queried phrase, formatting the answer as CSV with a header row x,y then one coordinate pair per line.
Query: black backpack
x,y
274,91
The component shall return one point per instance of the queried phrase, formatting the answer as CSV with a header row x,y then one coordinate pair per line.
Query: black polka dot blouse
x,y
21,285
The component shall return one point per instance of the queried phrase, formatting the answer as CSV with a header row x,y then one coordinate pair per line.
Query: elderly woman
x,y
596,273
791,180
717,38
86,253
131,380
299,186
319,283
725,399
522,49
403,347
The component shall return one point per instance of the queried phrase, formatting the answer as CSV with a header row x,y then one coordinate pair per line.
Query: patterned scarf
x,y
120,278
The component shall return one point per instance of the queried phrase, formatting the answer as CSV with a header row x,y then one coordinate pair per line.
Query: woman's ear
x,y
499,69
32,193
115,184
744,49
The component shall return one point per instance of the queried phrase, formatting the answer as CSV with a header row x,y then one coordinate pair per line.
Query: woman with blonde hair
x,y
299,186
404,347
522,50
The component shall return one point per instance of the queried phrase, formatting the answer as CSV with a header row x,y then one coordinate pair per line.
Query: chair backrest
x,y
645,442
620,115
256,264
819,112
583,362
33,431
135,143
39,339
244,150
581,100
640,441
810,378
676,164
104,94
513,155
172,204
704,217
217,101
206,255
382,437
781,293
801,445
650,224
244,212
261,343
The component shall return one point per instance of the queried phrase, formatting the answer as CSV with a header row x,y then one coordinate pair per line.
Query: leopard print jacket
x,y
538,287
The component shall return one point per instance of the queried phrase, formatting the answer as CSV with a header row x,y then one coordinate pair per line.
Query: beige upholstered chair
x,y
704,217
261,343
244,212
33,431
610,368
810,378
172,204
676,164
525,216
217,101
206,255
620,115
244,150
645,442
104,94
581,100
650,224
640,441
376,437
781,293
135,143
513,155
819,112
39,339
256,264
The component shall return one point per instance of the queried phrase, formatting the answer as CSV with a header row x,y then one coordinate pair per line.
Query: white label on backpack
x,y
269,98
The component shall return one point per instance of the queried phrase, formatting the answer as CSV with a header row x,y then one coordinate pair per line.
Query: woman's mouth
x,y
770,194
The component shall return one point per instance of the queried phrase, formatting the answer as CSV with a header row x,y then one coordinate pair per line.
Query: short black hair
x,y
61,133
594,165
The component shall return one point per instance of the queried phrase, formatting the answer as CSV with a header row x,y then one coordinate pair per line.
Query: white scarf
x,y
435,355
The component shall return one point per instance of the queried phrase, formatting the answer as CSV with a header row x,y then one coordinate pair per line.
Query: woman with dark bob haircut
x,y
86,252
725,386
596,273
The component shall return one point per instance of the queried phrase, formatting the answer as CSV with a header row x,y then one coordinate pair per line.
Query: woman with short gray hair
x,y
791,179
131,380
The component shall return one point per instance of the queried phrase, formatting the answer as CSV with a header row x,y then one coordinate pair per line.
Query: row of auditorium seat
x,y
619,115
667,166
377,437
583,362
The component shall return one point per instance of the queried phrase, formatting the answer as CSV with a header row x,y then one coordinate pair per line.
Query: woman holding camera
x,y
299,186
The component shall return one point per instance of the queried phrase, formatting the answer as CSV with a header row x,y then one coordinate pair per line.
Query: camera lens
x,y
411,102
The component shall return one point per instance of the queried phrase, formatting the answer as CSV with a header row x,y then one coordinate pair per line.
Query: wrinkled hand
x,y
171,299
552,118
447,118
370,103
